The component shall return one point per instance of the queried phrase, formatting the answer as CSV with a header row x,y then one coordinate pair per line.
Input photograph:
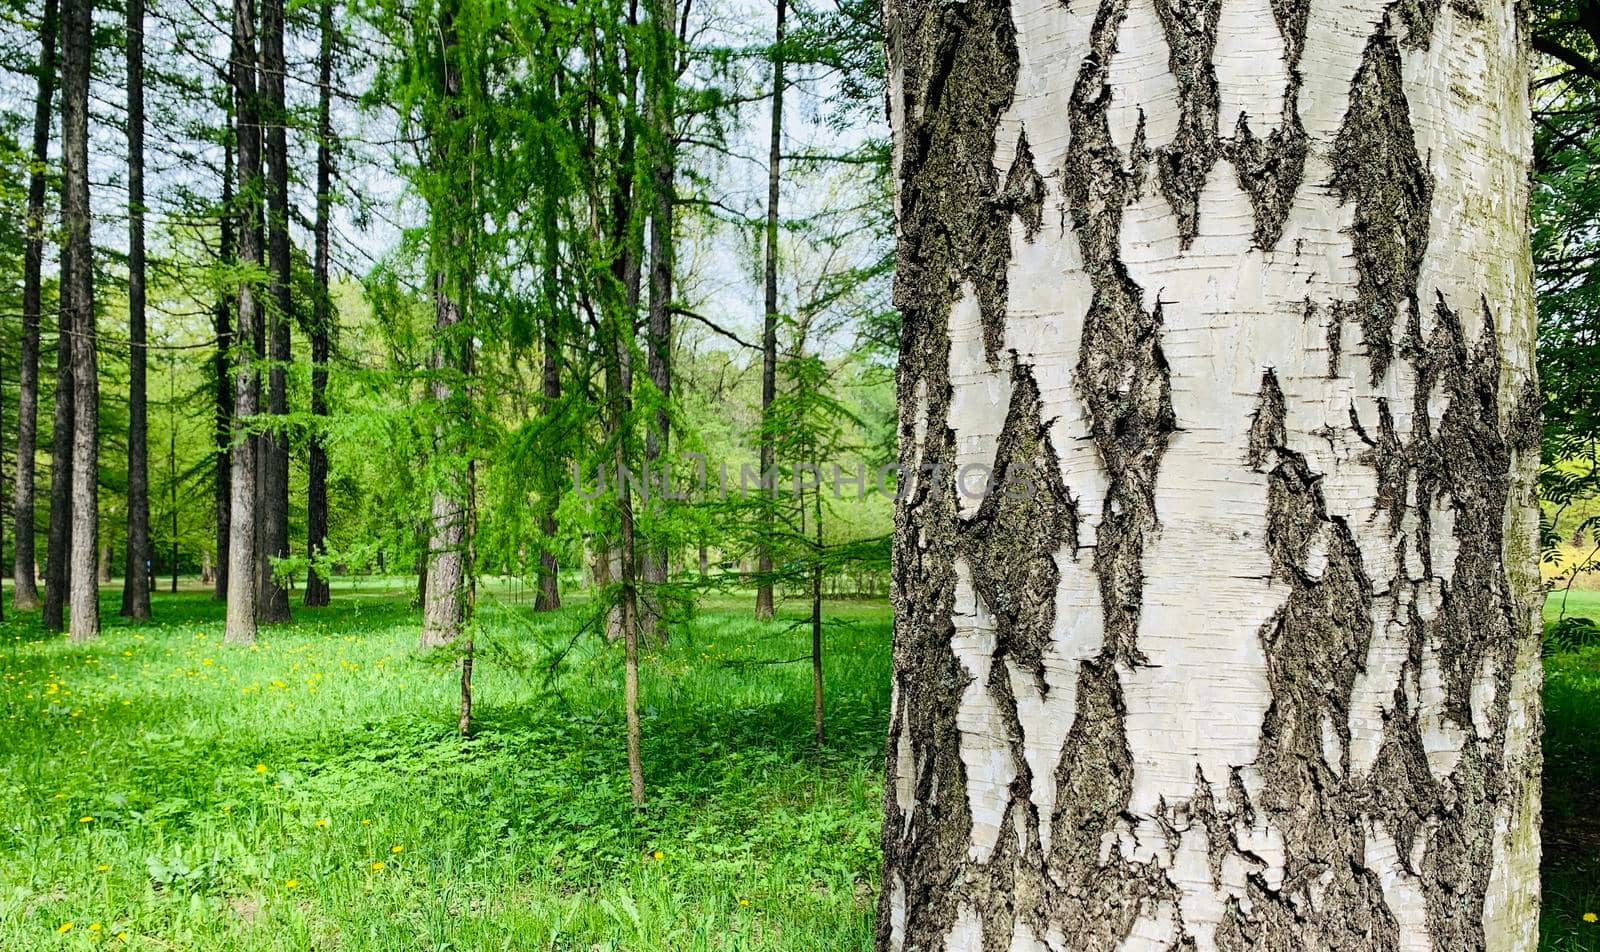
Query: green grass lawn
x,y
1572,785
311,792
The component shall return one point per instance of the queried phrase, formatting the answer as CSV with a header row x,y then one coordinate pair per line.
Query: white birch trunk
x,y
1240,294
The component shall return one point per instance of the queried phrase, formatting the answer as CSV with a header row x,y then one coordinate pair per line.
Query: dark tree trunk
x,y
769,326
658,341
273,517
816,629
222,371
77,42
136,568
25,591
58,542
549,597
322,320
242,556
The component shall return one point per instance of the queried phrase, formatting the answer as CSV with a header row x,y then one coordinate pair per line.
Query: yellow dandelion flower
x,y
1590,917
377,866
658,855
64,928
85,819
101,868
290,883
744,902
323,823
397,848
366,822
122,936
94,927
261,768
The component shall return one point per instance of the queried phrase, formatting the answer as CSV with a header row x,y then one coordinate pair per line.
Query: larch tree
x,y
25,590
242,512
58,531
1232,304
447,181
77,290
769,325
321,316
222,361
138,551
661,79
272,468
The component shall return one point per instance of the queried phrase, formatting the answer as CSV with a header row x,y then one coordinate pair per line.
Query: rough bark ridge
x,y
1252,663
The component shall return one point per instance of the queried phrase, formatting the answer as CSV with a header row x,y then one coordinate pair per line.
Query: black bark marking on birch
x,y
1011,542
959,66
1315,646
1270,170
1094,903
1122,374
1418,17
1467,462
1377,167
961,74
1024,191
1190,27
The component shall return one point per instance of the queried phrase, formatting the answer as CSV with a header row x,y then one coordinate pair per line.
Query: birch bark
x,y
1239,295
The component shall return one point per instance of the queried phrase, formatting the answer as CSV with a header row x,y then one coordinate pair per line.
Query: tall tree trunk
x,y
172,474
272,519
661,79
242,556
816,622
619,386
322,317
769,325
136,566
549,597
1263,432
444,607
77,52
58,533
444,611
222,369
25,590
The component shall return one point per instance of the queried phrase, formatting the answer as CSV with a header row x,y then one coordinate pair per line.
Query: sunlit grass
x,y
311,793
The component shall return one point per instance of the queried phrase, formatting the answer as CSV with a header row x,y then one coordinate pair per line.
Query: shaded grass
x,y
240,798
